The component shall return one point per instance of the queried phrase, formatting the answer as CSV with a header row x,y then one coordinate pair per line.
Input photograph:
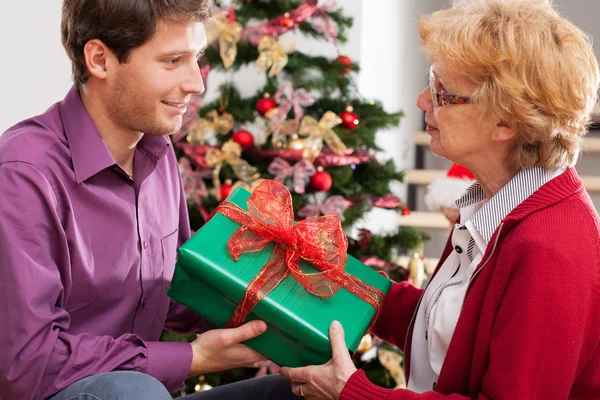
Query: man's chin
x,y
167,128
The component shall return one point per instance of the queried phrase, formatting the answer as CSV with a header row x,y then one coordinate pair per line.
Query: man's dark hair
x,y
122,25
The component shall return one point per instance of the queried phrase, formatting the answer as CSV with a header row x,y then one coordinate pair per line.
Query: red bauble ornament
x,y
321,181
405,210
286,21
349,119
244,139
226,189
265,104
344,60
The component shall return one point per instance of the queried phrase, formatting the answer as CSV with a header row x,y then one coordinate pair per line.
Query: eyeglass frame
x,y
444,99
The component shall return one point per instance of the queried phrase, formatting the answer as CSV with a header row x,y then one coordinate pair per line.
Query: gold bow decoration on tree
x,y
215,123
249,185
273,55
230,153
322,130
228,32
392,361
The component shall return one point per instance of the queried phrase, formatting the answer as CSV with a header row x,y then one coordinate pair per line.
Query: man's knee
x,y
119,385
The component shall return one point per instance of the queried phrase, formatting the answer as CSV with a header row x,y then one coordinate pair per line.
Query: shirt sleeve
x,y
40,355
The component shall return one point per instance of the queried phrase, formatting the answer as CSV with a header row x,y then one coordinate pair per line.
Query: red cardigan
x,y
530,327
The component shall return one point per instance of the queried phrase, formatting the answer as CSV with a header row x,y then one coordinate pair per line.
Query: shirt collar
x,y
89,152
517,190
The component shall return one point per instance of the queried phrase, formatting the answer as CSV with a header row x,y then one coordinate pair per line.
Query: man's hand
x,y
221,349
324,382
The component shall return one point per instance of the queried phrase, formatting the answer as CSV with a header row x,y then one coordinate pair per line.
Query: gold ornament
x,y
228,33
416,269
256,180
230,153
272,55
213,122
365,344
391,362
296,143
202,386
319,131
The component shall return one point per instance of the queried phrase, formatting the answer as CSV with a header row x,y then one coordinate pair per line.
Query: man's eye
x,y
173,61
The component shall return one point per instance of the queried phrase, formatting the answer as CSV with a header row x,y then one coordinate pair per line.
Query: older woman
x,y
512,309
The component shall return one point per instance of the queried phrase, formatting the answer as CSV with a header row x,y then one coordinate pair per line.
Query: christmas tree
x,y
308,128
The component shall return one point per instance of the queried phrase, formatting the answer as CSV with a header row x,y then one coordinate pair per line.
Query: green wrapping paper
x,y
208,281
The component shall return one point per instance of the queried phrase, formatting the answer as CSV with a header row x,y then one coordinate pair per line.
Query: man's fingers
x,y
245,332
338,343
247,356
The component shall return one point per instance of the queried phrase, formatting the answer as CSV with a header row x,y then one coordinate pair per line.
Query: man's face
x,y
149,93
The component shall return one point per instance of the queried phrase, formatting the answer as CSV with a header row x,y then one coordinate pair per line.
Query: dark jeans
x,y
130,385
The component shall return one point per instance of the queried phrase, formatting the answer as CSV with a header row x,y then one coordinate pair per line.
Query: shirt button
x,y
458,249
145,303
433,386
145,245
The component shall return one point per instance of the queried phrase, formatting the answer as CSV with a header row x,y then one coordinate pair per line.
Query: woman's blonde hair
x,y
533,69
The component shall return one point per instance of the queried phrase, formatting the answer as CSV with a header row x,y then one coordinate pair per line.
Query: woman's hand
x,y
324,382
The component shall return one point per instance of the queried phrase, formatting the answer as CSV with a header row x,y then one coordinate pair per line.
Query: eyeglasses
x,y
440,97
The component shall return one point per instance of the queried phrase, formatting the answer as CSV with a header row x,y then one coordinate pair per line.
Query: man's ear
x,y
98,58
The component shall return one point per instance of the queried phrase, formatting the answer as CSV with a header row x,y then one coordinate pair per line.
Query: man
x,y
92,212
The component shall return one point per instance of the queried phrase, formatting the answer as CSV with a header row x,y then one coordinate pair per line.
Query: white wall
x,y
394,70
35,71
584,14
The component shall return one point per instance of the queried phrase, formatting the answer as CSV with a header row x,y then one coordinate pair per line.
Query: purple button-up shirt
x,y
86,256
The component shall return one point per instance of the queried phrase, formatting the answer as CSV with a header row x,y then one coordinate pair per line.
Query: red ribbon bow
x,y
320,241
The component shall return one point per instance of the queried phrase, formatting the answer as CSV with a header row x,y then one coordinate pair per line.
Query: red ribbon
x,y
320,241
274,27
327,158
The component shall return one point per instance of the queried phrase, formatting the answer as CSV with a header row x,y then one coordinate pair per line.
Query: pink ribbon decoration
x,y
193,184
335,205
197,154
301,171
374,261
327,158
389,201
321,22
288,98
275,28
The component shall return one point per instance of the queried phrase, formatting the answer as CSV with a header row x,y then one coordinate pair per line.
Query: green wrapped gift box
x,y
208,281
